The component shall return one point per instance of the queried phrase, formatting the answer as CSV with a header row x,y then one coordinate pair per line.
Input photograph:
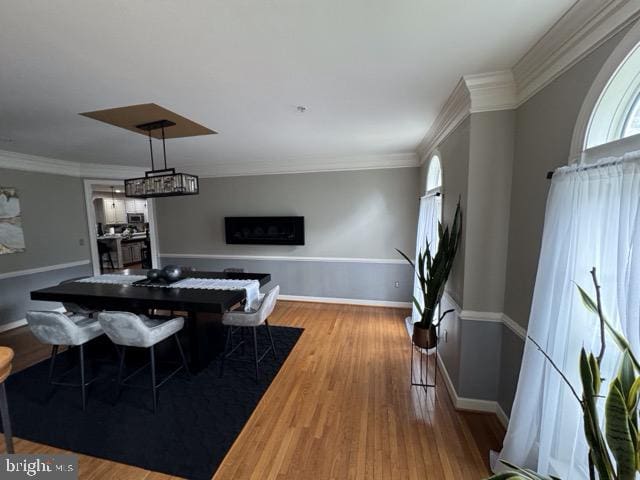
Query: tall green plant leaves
x,y
433,268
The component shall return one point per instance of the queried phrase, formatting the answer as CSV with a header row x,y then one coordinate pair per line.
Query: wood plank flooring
x,y
340,408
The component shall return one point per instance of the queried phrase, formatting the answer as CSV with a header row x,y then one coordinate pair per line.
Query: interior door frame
x,y
91,223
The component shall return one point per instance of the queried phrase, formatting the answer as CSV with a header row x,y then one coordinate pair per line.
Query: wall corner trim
x,y
470,404
502,416
484,92
514,326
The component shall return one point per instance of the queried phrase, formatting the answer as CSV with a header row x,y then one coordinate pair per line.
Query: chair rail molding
x,y
48,268
286,258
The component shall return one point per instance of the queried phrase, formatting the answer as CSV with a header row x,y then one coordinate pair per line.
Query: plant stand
x,y
423,370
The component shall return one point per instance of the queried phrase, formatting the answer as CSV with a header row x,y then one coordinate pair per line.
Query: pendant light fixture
x,y
163,182
113,198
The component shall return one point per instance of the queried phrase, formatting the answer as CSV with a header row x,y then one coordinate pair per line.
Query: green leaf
x,y
587,300
618,432
417,304
406,258
622,343
632,396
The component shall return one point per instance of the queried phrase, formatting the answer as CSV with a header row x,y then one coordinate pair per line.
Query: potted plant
x,y
615,453
432,271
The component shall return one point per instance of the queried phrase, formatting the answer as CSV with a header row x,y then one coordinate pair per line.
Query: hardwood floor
x,y
340,408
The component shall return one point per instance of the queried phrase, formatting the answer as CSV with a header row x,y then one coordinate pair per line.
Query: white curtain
x,y
430,208
591,220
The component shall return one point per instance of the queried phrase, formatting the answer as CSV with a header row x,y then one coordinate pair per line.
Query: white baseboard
x,y
22,322
345,301
471,404
11,325
502,416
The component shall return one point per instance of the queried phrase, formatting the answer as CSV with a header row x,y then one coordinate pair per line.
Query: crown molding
x,y
490,92
484,92
455,109
34,163
309,165
582,29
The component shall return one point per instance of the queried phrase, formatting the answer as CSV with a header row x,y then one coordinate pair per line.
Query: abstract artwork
x,y
11,235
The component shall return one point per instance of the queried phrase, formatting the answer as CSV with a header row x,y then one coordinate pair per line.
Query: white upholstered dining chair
x,y
57,329
240,319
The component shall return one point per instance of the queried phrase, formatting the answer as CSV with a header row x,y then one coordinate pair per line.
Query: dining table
x,y
203,307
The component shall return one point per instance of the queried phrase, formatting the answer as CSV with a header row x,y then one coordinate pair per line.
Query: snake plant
x,y
615,453
433,269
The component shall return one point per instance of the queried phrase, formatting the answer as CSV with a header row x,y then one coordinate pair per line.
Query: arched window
x,y
429,216
434,174
609,121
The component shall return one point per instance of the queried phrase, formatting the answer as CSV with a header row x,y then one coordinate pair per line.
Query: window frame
x,y
604,112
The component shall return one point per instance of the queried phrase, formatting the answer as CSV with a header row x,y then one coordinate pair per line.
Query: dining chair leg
x,y
120,371
184,359
255,349
273,346
83,384
52,363
6,421
226,350
152,351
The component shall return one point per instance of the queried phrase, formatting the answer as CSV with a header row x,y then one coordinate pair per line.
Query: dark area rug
x,y
197,421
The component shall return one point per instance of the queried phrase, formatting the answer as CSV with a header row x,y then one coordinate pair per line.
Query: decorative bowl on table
x,y
171,273
154,274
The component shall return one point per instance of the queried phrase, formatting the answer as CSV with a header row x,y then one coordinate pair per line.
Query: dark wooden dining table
x,y
203,326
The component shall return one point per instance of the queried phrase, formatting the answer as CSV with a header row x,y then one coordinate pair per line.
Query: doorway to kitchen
x,y
122,231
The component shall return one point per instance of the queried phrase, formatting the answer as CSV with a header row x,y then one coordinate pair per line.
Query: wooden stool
x,y
6,355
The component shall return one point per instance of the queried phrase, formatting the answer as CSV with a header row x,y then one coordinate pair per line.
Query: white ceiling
x,y
373,73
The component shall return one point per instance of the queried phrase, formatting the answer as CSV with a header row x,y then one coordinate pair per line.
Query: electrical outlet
x,y
397,284
81,242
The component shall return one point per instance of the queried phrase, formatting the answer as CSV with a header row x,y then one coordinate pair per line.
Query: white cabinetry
x,y
114,211
131,252
135,205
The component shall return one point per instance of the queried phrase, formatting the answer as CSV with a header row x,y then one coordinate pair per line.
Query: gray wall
x,y
15,291
487,213
53,218
454,155
356,214
544,130
361,214
54,223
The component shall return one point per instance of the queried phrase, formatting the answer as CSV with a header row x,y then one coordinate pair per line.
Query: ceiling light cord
x,y
151,149
164,150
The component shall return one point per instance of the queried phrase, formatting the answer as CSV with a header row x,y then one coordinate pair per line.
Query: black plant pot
x,y
424,337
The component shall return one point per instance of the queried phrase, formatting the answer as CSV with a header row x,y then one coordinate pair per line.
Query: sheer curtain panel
x,y
430,208
591,220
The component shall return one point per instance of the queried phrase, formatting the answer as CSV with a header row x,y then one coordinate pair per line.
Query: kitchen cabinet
x,y
132,252
136,205
110,211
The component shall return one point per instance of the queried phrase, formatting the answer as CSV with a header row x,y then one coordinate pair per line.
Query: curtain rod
x,y
436,194
587,167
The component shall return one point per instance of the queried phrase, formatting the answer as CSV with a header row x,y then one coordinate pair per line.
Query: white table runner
x,y
251,287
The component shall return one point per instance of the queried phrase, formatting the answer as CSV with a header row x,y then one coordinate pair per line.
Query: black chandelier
x,y
164,182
